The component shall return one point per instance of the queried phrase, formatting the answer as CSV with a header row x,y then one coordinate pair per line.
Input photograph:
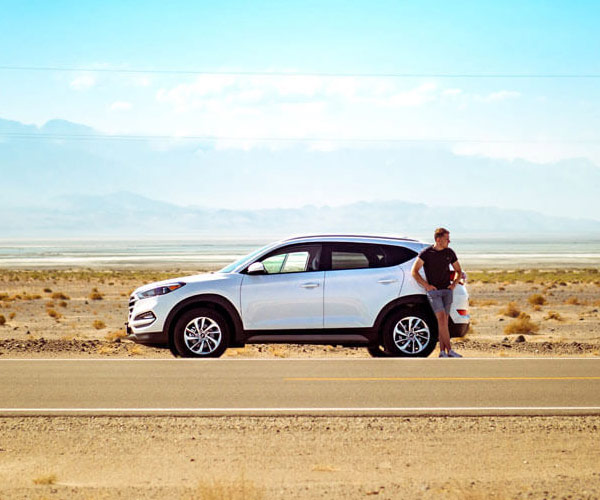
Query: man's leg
x,y
443,332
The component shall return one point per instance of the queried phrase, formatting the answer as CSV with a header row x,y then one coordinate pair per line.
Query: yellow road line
x,y
418,379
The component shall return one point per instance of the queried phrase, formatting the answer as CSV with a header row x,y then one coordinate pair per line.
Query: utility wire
x,y
209,138
292,74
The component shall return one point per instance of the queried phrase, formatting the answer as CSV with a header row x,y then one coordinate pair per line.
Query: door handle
x,y
309,285
387,281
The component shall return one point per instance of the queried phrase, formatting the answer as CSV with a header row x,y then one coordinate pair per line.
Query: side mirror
x,y
256,268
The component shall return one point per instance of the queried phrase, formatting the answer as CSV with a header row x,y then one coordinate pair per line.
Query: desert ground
x,y
80,313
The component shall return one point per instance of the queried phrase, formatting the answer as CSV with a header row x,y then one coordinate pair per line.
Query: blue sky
x,y
326,36
541,120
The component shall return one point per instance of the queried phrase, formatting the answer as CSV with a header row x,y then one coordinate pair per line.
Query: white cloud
x,y
451,92
415,97
500,95
142,81
83,82
121,106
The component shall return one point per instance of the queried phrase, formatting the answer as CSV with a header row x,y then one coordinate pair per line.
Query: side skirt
x,y
344,337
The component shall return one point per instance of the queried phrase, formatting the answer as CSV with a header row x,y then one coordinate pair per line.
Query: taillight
x,y
463,312
463,277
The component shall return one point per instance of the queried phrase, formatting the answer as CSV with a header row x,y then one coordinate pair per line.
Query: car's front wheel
x,y
410,333
201,333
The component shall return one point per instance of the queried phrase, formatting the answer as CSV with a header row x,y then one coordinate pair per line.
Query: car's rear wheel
x,y
410,333
201,333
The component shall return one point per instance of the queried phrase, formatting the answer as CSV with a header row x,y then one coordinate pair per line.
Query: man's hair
x,y
440,232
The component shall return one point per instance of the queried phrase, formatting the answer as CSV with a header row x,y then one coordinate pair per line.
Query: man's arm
x,y
418,278
457,275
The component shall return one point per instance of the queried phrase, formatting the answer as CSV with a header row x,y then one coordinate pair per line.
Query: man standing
x,y
436,260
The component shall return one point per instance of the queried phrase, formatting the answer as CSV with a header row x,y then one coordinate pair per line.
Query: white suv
x,y
338,290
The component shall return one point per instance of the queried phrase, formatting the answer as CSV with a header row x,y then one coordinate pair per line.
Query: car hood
x,y
196,278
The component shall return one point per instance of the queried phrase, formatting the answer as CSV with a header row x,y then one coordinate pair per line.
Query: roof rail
x,y
379,237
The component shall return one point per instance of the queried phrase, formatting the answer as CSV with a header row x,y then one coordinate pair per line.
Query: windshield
x,y
239,262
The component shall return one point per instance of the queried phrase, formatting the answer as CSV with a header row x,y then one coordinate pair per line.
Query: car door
x,y
289,296
358,284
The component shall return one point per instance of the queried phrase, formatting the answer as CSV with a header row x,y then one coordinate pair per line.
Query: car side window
x,y
295,260
396,255
353,256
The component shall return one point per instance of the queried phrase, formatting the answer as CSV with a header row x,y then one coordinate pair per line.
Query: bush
x,y
536,299
572,301
2,319
553,315
522,324
511,310
53,313
98,325
60,296
96,295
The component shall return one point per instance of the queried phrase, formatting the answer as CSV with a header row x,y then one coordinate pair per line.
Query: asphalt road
x,y
300,387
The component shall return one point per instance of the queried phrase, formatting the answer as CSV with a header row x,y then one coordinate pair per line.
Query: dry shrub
x,y
53,313
116,336
62,303
12,315
105,349
522,324
2,319
511,310
483,302
26,296
47,290
49,304
537,299
47,479
60,296
135,350
95,294
553,315
277,351
573,301
98,324
238,489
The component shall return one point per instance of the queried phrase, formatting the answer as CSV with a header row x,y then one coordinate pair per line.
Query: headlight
x,y
160,290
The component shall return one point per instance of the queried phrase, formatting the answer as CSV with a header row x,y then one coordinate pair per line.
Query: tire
x,y
201,333
378,352
410,333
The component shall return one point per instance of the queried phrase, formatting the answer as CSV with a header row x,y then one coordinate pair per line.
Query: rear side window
x,y
394,256
355,256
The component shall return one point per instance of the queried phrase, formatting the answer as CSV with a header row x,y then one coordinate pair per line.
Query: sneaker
x,y
453,354
443,354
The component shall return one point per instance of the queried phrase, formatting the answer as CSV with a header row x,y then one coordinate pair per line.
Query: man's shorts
x,y
440,300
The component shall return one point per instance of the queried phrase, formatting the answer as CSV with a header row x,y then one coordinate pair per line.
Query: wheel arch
x,y
212,301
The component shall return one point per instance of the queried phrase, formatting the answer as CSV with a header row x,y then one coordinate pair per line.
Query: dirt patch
x,y
300,457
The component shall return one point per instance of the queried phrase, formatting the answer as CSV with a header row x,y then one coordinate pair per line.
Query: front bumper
x,y
147,338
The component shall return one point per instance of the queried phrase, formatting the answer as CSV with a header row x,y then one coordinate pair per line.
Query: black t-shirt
x,y
436,265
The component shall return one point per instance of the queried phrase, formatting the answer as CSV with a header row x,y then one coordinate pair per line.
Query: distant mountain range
x,y
66,179
126,214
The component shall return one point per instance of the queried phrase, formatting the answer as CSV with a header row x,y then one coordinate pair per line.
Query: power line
x,y
294,74
209,138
